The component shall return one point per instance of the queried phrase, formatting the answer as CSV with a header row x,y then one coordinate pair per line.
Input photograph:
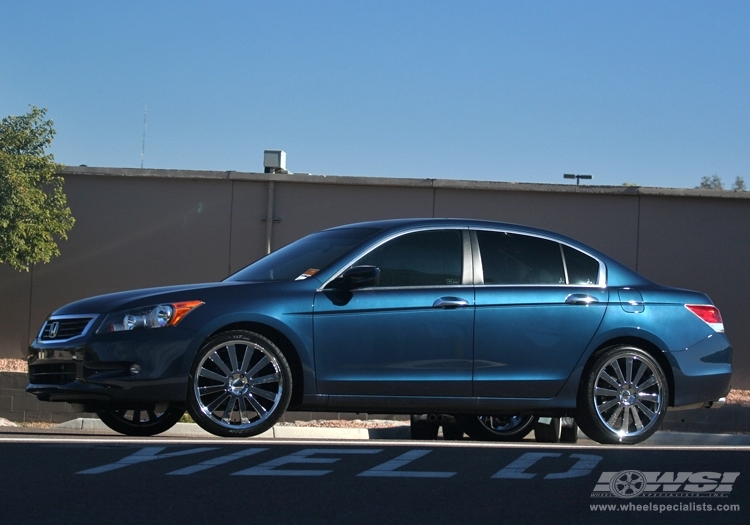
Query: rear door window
x,y
511,258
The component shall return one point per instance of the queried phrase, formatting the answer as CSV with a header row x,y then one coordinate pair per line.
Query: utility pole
x,y
143,146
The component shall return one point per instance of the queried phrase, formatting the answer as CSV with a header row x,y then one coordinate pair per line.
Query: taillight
x,y
708,314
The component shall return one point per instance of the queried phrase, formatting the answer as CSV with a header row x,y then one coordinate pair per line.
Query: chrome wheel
x,y
626,397
143,419
505,427
240,385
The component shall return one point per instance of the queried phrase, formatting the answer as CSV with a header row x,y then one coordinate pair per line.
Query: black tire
x,y
421,428
240,384
569,430
453,431
623,397
143,419
509,427
548,432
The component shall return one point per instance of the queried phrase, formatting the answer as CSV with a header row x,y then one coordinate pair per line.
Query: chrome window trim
x,y
465,272
601,278
565,264
53,318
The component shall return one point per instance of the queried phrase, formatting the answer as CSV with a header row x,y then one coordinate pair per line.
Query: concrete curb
x,y
279,431
678,439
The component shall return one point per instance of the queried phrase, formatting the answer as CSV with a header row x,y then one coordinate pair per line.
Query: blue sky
x,y
647,92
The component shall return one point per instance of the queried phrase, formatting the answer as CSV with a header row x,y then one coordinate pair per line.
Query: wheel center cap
x,y
627,397
237,383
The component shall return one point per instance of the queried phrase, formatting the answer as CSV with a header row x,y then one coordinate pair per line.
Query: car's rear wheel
x,y
240,384
422,428
624,398
569,430
141,420
547,430
509,427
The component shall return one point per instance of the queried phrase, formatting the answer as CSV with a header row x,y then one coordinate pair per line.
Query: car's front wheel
x,y
624,398
141,420
240,384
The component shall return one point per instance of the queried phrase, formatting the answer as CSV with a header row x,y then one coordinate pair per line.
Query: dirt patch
x,y
345,423
36,424
739,398
13,365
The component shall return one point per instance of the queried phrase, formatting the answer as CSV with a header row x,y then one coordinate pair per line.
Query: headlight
x,y
157,316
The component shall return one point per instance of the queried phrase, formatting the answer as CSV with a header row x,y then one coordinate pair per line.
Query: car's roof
x,y
397,224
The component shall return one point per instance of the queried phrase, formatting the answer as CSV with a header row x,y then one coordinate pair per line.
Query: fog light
x,y
135,369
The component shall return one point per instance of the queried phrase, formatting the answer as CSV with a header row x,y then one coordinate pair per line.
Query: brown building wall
x,y
142,228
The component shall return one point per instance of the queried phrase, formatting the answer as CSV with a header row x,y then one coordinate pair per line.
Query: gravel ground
x,y
13,365
345,423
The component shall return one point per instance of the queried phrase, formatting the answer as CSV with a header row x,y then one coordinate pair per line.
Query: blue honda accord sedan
x,y
482,321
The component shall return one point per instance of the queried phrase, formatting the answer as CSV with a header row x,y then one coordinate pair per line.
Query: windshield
x,y
305,257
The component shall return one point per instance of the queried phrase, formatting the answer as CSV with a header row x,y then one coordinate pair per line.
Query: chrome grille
x,y
64,328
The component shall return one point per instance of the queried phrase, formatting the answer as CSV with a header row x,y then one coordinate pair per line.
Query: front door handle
x,y
450,302
581,298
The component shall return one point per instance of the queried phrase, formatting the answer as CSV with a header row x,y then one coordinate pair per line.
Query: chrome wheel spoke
x,y
618,371
605,392
212,375
628,369
615,415
258,366
606,406
609,379
263,380
637,419
646,411
242,407
625,420
218,361
649,382
227,415
246,359
259,409
232,351
212,389
651,397
641,370
262,393
216,402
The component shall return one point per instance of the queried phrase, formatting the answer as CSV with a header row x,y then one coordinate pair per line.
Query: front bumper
x,y
139,366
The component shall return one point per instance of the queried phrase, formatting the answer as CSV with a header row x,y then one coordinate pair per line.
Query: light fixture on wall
x,y
577,177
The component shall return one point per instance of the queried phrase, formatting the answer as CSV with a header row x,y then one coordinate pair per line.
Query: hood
x,y
135,298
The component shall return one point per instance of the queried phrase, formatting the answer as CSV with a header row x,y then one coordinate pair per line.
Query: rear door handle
x,y
581,298
450,302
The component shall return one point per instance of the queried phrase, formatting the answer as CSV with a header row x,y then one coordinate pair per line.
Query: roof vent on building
x,y
274,161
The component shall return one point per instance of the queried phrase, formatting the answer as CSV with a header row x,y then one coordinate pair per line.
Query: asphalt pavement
x,y
93,426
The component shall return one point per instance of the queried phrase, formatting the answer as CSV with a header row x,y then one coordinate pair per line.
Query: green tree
x,y
33,207
711,183
739,184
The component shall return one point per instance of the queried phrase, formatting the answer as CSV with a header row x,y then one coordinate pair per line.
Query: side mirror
x,y
357,277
